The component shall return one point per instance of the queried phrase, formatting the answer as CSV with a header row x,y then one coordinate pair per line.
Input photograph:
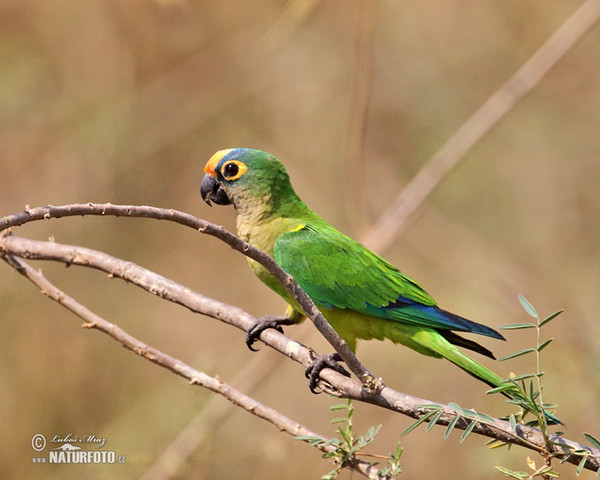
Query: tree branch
x,y
385,397
195,377
291,286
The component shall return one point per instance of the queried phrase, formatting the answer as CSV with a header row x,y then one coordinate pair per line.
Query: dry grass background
x,y
125,101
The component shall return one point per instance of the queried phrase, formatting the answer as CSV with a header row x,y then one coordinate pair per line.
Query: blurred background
x,y
124,102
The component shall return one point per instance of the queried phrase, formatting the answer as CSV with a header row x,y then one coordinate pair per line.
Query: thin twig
x,y
195,377
397,216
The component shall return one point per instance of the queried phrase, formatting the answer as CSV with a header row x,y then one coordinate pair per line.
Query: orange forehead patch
x,y
212,164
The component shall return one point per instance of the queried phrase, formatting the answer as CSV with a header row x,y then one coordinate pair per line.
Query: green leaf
x,y
399,450
346,435
496,444
372,432
339,407
467,431
502,388
528,307
307,438
544,344
450,427
581,465
552,474
486,418
339,420
526,376
456,407
517,326
513,423
551,317
516,354
547,470
434,420
431,406
424,418
470,413
533,394
512,474
594,442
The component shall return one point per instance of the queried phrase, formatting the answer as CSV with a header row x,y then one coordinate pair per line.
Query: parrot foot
x,y
262,323
324,361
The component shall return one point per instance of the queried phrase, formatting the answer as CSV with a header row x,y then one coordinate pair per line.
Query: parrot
x,y
360,294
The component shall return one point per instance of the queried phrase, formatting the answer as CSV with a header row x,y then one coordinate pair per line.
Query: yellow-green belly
x,y
351,325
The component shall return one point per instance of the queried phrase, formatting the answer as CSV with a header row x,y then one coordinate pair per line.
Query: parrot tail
x,y
444,347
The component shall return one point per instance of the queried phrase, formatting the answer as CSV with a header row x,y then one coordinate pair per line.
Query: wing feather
x,y
339,272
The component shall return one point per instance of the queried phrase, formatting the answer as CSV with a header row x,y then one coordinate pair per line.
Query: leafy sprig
x,y
470,416
530,395
348,446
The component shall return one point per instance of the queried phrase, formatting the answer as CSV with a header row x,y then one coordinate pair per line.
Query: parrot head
x,y
241,176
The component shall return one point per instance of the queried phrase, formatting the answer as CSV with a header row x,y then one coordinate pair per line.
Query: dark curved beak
x,y
211,189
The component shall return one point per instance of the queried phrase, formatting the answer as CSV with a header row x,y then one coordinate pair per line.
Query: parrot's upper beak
x,y
211,189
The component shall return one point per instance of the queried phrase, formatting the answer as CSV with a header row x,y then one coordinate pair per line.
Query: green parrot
x,y
360,294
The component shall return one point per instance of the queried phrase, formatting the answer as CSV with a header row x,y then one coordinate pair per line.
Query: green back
x,y
337,271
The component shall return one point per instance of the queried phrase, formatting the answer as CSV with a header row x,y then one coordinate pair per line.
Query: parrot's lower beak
x,y
211,189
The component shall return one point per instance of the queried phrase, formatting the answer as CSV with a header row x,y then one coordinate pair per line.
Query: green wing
x,y
338,272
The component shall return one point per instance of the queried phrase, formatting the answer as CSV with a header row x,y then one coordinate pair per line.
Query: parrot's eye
x,y
233,170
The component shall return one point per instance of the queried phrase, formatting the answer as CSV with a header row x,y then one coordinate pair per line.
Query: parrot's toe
x,y
262,323
313,371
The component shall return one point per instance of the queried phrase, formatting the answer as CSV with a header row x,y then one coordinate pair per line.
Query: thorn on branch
x,y
140,350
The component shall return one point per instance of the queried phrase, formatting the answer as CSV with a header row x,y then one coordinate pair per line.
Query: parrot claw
x,y
324,361
262,323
